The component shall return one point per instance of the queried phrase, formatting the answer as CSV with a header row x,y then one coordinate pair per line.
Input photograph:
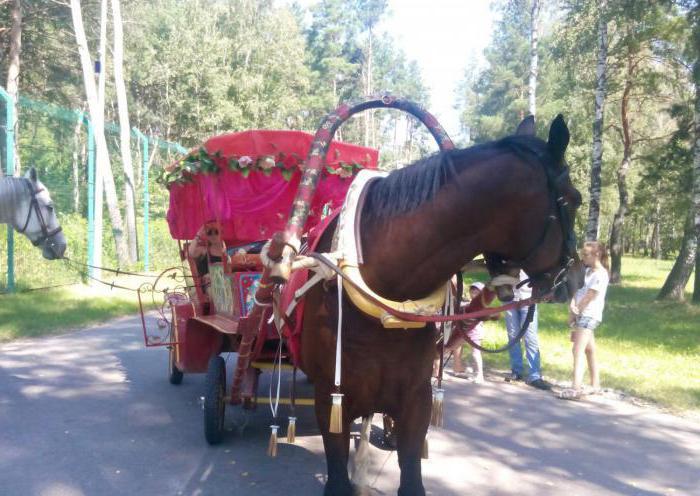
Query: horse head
x,y
35,217
552,262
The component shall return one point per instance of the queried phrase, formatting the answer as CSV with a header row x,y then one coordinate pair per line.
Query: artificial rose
x,y
267,163
244,161
345,172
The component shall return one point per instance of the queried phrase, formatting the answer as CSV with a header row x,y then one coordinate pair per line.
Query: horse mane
x,y
404,190
11,190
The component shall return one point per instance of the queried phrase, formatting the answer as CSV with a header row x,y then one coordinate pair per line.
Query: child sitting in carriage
x,y
206,248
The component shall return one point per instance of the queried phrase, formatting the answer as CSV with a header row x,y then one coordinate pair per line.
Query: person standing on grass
x,y
586,314
515,319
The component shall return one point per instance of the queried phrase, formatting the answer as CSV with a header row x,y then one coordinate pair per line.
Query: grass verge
x,y
39,313
648,349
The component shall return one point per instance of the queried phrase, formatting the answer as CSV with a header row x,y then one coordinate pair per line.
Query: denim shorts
x,y
587,323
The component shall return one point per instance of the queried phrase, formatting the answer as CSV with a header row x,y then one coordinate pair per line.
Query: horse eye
x,y
49,208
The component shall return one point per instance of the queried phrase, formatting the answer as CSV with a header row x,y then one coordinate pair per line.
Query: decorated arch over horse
x,y
318,155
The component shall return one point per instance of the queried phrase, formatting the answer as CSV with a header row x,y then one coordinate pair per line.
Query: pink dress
x,y
476,333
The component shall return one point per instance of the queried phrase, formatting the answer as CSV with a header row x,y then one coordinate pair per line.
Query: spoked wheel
x,y
214,402
174,374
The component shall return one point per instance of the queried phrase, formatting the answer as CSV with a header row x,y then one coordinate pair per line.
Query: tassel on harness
x,y
272,445
336,421
292,430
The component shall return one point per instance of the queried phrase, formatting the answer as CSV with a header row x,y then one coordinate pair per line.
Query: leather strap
x,y
430,318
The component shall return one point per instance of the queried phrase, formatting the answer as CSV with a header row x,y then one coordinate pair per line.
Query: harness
x,y
34,206
327,268
346,249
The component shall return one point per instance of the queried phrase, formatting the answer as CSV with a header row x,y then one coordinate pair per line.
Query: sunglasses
x,y
212,232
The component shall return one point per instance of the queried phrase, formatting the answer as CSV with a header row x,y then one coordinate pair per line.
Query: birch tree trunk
x,y
674,286
124,129
593,224
696,156
368,90
532,86
103,175
115,216
97,124
110,190
12,86
656,232
619,219
77,145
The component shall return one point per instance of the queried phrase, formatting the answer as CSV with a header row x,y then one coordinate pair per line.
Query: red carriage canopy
x,y
247,181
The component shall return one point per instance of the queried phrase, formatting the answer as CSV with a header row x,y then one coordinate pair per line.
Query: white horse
x,y
26,205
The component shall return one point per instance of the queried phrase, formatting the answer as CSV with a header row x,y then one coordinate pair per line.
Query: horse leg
x,y
411,428
362,460
336,447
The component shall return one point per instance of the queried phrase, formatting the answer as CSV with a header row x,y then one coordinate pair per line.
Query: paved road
x,y
91,413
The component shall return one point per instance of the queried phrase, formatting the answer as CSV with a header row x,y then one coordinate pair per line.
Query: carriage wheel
x,y
174,374
214,404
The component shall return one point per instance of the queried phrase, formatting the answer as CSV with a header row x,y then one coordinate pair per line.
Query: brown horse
x,y
511,200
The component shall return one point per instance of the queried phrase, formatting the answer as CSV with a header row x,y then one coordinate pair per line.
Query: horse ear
x,y
31,175
558,139
526,127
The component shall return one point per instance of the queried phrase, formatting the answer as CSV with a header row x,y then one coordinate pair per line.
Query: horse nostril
x,y
58,249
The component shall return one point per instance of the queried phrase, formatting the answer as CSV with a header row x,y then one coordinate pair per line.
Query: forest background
x,y
624,72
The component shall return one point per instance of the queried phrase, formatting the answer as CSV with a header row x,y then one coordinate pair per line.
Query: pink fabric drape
x,y
254,207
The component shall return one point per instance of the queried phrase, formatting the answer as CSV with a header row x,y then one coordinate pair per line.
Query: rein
x,y
511,342
118,272
461,317
433,318
145,287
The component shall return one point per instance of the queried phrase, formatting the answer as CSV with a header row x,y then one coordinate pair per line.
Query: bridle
x,y
569,255
34,206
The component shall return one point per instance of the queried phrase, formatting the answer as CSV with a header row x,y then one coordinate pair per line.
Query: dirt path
x,y
91,413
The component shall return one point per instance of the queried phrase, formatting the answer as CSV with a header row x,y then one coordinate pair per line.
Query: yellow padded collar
x,y
430,305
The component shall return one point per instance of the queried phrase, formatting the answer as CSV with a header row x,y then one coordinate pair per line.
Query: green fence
x,y
59,143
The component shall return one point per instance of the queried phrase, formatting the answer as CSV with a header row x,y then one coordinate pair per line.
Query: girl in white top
x,y
585,314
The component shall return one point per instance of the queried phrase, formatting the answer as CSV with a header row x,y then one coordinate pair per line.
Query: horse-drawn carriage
x,y
230,195
363,326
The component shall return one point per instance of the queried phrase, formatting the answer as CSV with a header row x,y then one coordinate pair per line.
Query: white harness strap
x,y
344,240
338,338
299,293
344,245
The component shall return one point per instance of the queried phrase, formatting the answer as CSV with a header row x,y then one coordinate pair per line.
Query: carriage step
x,y
266,399
287,401
271,365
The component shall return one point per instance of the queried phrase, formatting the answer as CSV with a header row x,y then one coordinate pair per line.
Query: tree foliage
x,y
198,68
648,69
